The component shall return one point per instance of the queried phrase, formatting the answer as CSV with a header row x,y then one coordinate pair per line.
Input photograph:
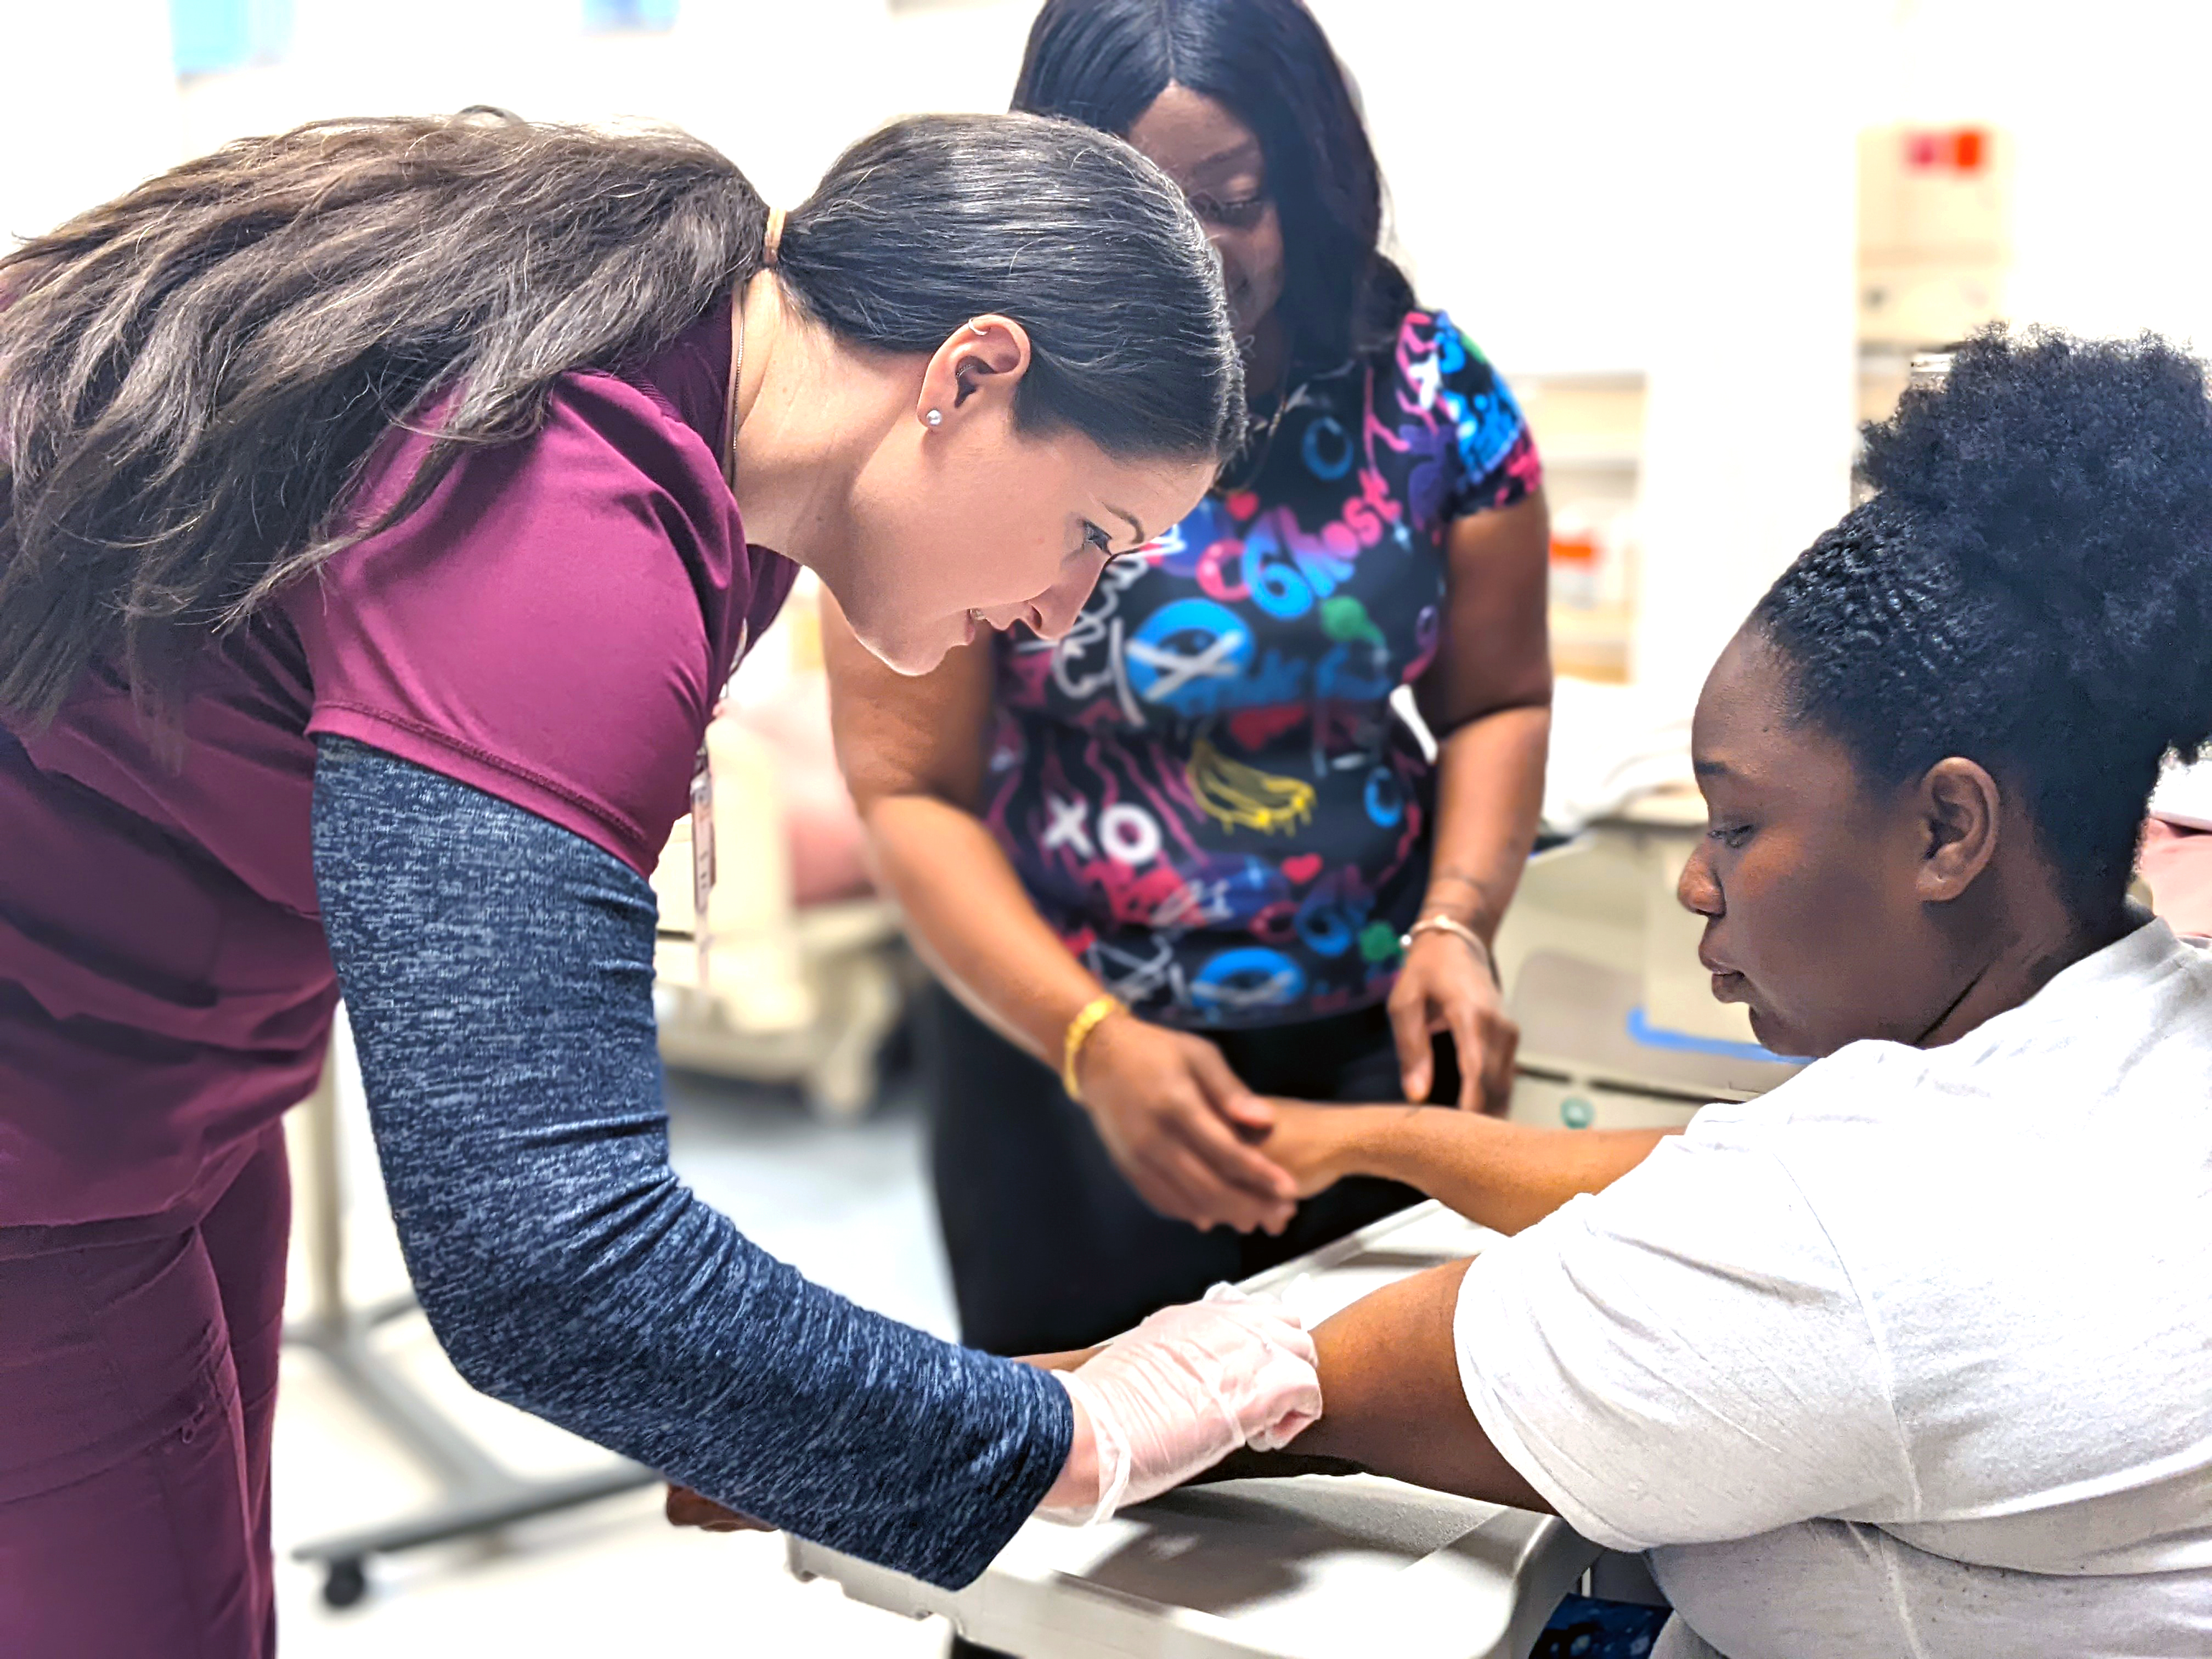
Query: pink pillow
x,y
825,832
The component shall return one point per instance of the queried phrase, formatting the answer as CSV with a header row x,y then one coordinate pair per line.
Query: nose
x,y
1698,889
1059,605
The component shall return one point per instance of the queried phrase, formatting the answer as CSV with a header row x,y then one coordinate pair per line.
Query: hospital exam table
x,y
1312,1567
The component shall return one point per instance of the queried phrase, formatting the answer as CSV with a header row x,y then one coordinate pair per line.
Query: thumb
x,y
1226,1092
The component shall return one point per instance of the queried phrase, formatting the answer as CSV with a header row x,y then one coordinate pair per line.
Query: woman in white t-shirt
x,y
1912,1356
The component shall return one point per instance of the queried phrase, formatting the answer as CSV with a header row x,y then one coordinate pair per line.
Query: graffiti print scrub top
x,y
1203,785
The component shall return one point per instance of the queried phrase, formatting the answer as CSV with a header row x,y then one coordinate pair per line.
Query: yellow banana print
x,y
1243,797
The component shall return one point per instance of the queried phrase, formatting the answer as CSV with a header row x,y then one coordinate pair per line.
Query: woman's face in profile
x,y
1217,161
982,517
1808,876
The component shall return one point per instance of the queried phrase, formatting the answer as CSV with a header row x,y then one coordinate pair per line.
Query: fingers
x,y
1476,1059
1066,1360
1174,1180
1409,1026
1231,1162
1226,1091
1195,1158
686,1508
1497,1067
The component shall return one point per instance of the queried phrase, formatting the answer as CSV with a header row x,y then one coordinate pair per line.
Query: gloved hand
x,y
1187,1388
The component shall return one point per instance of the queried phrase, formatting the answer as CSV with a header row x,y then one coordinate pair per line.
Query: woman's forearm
x,y
498,970
1490,788
1504,1176
969,917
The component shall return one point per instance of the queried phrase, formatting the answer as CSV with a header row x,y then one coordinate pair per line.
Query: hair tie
x,y
774,238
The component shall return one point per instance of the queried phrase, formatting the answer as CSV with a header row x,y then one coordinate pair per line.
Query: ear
x,y
975,371
1959,807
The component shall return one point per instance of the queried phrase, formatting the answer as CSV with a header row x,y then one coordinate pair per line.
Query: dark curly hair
x,y
1104,62
2029,587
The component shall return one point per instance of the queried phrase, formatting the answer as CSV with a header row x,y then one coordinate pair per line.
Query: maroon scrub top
x,y
552,626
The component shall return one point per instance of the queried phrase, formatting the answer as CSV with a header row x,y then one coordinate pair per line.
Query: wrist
x,y
1079,1041
1077,1485
1350,1138
1462,901
1463,937
1401,1144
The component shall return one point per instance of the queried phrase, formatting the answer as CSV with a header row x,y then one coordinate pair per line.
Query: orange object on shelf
x,y
1576,548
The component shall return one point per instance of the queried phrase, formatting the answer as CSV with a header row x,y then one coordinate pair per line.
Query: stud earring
x,y
935,417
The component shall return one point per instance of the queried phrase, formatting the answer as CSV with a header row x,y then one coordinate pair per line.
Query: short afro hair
x,y
2029,587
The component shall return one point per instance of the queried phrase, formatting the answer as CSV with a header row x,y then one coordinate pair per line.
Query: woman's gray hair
x,y
194,376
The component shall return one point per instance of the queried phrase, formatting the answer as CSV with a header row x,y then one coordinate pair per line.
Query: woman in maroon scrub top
x,y
370,560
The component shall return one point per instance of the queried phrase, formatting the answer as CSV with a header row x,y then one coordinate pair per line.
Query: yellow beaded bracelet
x,y
1078,1032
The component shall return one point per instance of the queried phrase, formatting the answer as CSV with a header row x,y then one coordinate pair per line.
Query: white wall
x,y
1598,185
87,106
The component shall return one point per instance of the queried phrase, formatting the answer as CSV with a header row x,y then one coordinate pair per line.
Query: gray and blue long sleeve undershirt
x,y
498,970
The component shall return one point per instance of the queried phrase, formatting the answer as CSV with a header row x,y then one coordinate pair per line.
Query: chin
x,y
907,654
1778,1038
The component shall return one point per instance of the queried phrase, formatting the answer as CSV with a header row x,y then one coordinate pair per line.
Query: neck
x,y
2037,938
809,412
1268,359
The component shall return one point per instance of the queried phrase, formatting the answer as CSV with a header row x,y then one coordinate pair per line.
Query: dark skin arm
x,y
1389,1377
1392,1401
1505,1176
1487,698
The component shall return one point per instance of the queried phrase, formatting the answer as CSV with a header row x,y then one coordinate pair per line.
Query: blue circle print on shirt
x,y
1180,654
1253,978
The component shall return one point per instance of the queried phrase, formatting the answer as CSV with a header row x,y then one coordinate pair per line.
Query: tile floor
x,y
847,1205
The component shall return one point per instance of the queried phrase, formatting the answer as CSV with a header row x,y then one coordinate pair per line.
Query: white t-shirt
x,y
1912,1356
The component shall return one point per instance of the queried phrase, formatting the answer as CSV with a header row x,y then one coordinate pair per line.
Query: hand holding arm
x,y
1504,1176
1170,1111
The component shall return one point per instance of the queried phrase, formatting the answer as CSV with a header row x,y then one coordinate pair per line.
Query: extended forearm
x,y
966,913
499,973
1505,1176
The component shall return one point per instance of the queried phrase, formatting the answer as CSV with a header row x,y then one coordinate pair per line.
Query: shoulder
x,y
551,625
1852,1085
1434,380
1428,349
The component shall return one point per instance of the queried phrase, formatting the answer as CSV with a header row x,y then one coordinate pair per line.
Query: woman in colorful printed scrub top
x,y
1199,800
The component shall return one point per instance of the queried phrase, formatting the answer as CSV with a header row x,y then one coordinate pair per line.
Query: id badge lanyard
x,y
702,836
702,861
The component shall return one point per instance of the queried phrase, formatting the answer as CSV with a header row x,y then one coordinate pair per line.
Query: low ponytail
x,y
194,376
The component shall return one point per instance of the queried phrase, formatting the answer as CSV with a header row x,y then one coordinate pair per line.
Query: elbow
x,y
506,1328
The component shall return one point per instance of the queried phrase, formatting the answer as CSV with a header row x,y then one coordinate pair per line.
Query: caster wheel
x,y
346,1582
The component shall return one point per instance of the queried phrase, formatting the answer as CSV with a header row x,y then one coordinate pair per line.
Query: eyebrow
x,y
1136,529
1239,151
1711,768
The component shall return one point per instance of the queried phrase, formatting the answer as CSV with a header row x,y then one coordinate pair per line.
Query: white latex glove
x,y
1187,1388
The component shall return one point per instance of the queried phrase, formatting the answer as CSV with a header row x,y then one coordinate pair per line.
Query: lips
x,y
1728,984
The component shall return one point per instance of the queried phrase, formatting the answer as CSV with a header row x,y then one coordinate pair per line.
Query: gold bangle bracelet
x,y
1079,1028
1457,929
